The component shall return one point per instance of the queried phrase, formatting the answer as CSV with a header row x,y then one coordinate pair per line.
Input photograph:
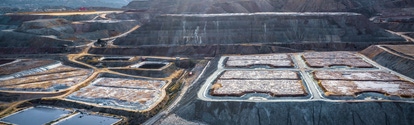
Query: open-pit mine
x,y
168,62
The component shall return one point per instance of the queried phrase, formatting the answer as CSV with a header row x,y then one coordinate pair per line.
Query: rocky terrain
x,y
39,4
293,113
366,7
13,39
64,29
256,28
214,58
58,31
398,57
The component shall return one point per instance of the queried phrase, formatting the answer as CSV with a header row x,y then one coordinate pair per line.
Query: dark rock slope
x,y
64,29
399,58
297,113
183,29
20,19
35,4
367,7
16,39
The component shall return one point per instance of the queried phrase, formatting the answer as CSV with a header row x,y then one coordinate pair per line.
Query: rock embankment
x,y
18,39
19,19
199,51
366,7
294,113
64,29
272,27
46,27
399,58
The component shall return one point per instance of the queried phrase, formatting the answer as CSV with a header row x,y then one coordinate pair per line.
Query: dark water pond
x,y
35,116
86,119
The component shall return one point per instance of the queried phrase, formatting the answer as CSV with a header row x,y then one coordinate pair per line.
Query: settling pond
x,y
87,119
41,115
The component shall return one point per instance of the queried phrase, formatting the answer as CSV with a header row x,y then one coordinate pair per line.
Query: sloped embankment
x,y
198,51
294,113
399,58
156,73
17,39
367,7
19,19
46,27
289,27
64,29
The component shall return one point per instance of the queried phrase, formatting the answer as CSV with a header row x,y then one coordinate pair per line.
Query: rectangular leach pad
x,y
60,77
22,65
274,60
321,63
121,92
122,97
259,74
271,87
130,83
350,88
260,57
330,55
355,75
247,63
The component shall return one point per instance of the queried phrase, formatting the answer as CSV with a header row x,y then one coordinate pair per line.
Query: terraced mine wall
x,y
201,51
400,63
16,39
399,26
64,29
39,50
138,5
38,4
19,19
367,7
239,28
90,26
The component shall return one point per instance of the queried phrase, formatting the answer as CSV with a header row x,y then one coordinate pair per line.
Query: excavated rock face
x,y
35,4
64,29
138,4
17,39
184,29
46,27
399,58
20,19
203,112
367,7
